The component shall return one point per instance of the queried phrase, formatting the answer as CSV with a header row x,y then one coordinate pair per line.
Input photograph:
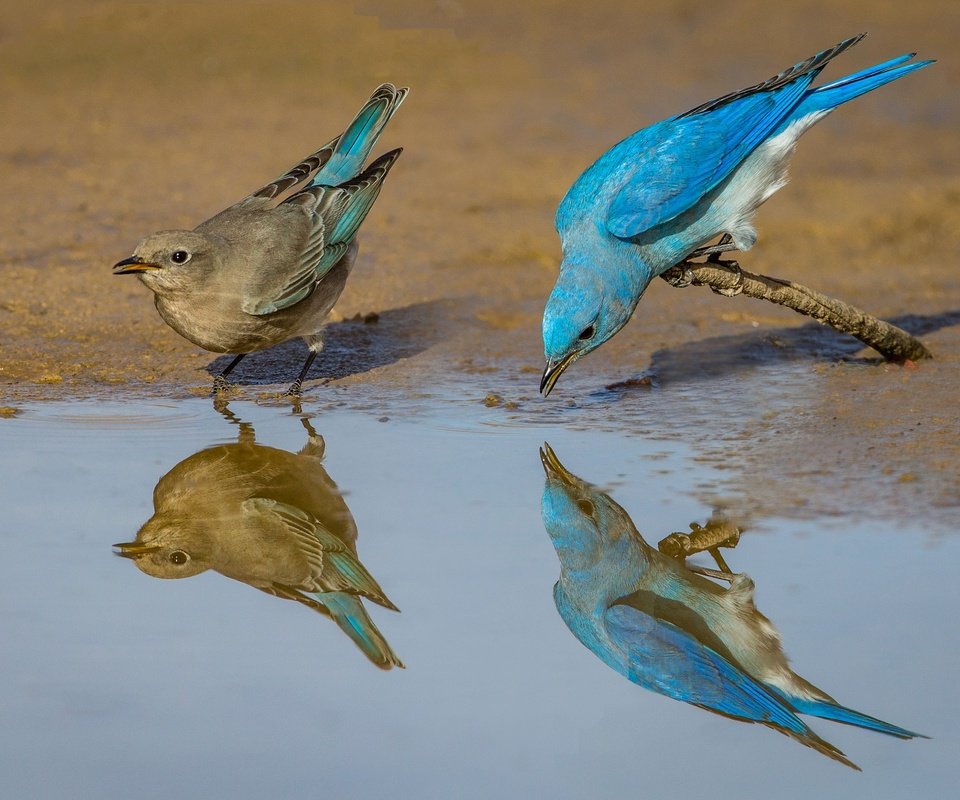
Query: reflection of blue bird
x,y
661,195
672,631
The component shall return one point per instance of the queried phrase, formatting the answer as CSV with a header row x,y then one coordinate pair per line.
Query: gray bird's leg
x,y
315,446
220,383
296,389
315,343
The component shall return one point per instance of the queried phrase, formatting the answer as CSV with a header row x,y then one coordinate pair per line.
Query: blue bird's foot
x,y
725,245
733,266
722,575
679,275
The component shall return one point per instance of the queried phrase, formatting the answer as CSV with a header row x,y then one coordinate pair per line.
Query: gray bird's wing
x,y
333,565
298,173
335,214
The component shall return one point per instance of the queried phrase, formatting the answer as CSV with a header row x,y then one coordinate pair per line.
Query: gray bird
x,y
270,519
262,272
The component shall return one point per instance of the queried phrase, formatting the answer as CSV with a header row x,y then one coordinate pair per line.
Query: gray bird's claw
x,y
737,288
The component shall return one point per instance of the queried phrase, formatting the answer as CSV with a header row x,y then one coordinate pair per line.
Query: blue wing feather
x,y
668,660
693,155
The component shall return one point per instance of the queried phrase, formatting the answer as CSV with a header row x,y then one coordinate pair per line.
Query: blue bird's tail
x,y
838,713
356,142
825,98
353,620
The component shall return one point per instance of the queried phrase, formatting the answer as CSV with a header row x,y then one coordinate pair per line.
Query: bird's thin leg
x,y
725,245
711,573
297,388
220,382
721,563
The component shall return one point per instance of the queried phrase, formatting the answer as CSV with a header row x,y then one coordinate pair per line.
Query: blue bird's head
x,y
588,529
584,309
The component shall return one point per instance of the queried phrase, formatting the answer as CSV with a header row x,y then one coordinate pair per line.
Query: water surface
x,y
118,683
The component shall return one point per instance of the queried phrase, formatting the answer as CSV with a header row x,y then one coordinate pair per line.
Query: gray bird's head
x,y
171,260
165,548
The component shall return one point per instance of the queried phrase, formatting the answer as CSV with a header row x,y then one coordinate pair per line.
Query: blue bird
x,y
663,194
671,631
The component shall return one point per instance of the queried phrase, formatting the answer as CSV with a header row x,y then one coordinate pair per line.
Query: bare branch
x,y
726,278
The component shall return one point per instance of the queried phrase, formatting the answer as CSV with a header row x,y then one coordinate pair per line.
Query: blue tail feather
x,y
838,713
824,98
356,142
352,618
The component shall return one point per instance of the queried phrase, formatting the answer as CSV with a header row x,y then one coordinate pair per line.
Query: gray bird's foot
x,y
679,275
737,288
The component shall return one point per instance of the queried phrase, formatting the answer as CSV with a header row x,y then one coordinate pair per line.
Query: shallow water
x,y
120,684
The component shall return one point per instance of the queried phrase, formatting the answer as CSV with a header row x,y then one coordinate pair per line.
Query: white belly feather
x,y
761,174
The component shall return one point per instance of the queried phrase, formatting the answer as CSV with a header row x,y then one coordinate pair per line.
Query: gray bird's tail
x,y
348,612
355,143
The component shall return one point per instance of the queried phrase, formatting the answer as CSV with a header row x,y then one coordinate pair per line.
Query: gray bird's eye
x,y
586,507
178,557
587,333
180,257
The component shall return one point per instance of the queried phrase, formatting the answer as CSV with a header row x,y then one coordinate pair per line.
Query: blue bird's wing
x,y
668,660
688,156
335,214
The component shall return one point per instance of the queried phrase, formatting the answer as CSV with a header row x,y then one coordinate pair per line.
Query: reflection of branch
x,y
718,532
725,277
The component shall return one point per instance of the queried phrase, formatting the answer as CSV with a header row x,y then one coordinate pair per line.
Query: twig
x,y
726,277
718,532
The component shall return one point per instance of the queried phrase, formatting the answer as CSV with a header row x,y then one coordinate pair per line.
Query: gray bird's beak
x,y
132,265
553,372
135,549
553,468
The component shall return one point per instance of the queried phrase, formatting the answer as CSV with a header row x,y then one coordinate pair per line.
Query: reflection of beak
x,y
553,372
131,265
553,468
135,549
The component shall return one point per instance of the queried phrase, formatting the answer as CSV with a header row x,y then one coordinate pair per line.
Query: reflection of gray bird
x,y
671,631
268,518
261,272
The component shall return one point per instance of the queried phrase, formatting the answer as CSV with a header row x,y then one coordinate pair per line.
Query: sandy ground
x,y
121,119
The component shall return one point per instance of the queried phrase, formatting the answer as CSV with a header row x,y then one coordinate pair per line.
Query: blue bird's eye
x,y
180,257
586,507
588,332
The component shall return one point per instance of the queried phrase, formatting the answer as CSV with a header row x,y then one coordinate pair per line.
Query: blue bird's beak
x,y
553,372
132,265
553,469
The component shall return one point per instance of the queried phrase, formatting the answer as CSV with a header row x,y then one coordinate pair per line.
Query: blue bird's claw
x,y
737,288
679,275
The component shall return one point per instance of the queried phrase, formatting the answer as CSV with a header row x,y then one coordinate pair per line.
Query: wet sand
x,y
124,119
